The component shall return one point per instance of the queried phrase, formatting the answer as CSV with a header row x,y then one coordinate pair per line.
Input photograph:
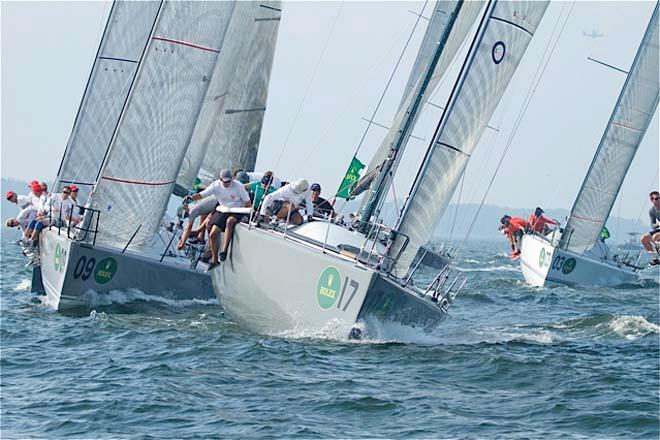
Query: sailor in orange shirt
x,y
540,223
513,228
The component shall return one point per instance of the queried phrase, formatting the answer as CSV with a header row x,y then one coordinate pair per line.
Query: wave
x,y
489,269
123,297
629,327
633,327
23,286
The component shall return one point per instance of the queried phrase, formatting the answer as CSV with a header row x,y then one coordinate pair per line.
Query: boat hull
x,y
543,264
277,286
74,274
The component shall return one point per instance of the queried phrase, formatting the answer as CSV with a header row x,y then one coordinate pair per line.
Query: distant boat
x,y
327,276
578,256
633,242
592,34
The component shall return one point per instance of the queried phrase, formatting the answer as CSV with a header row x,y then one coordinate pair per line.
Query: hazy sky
x,y
48,49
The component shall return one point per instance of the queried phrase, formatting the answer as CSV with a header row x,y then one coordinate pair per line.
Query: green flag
x,y
350,179
604,234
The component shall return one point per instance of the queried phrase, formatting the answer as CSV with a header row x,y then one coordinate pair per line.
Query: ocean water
x,y
510,361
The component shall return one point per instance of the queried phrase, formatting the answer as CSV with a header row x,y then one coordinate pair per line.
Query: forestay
x,y
453,36
624,132
492,61
157,122
123,42
229,127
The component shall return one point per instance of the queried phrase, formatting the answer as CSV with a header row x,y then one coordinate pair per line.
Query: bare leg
x,y
213,239
229,231
186,233
646,242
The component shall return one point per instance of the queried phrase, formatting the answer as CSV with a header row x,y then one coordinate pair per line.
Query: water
x,y
510,362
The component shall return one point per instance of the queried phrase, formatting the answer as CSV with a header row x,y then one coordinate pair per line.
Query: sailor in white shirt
x,y
230,194
22,201
284,202
61,208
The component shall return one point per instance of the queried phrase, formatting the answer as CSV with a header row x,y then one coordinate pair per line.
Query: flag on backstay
x,y
351,177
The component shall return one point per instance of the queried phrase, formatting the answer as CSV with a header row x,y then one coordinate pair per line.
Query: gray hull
x,y
74,274
287,286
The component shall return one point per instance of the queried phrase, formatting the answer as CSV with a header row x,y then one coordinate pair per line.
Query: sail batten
x,y
492,60
623,134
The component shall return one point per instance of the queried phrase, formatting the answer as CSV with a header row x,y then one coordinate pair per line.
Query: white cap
x,y
299,186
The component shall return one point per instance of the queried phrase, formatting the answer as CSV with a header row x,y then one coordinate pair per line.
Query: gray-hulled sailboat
x,y
327,277
151,96
577,256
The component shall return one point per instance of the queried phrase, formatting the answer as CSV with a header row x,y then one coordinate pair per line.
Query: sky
x,y
332,62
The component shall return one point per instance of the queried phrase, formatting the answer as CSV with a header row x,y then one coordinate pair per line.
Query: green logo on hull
x,y
568,266
328,287
542,257
58,258
105,270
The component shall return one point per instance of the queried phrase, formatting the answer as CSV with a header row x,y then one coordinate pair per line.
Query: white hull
x,y
73,274
543,264
274,285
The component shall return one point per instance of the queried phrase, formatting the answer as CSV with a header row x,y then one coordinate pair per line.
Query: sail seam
x,y
118,59
137,182
512,24
185,43
588,219
627,127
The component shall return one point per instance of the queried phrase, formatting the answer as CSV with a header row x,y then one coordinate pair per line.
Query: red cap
x,y
9,195
35,186
73,188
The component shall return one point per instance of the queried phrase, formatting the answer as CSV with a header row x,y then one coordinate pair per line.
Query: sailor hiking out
x,y
229,194
285,203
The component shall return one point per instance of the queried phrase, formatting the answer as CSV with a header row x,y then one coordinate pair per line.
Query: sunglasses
x,y
66,192
655,198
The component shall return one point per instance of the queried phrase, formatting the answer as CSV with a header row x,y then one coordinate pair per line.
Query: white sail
x,y
229,127
624,132
122,45
434,31
492,61
466,14
157,122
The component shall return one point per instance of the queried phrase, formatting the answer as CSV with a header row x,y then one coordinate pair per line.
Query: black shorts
x,y
219,219
275,207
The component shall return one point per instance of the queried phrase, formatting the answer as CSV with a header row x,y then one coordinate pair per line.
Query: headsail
x,y
436,28
229,127
493,58
460,18
624,132
122,45
157,121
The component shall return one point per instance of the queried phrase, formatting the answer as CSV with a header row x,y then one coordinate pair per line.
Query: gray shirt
x,y
654,217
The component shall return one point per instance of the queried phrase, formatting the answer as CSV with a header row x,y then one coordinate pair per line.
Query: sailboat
x,y
324,276
150,99
577,256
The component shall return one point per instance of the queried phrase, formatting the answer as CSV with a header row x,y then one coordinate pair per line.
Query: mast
x,y
624,132
378,191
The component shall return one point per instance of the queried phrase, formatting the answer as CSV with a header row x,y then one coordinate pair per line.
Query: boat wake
x,y
23,286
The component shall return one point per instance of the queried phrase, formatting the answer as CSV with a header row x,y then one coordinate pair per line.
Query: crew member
x,y
229,193
285,202
651,241
322,207
539,223
513,228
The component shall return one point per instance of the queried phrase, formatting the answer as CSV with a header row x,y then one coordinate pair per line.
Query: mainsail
x,y
457,19
157,122
493,58
629,121
229,127
123,42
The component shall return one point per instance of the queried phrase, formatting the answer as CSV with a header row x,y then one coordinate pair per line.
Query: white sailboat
x,y
140,112
577,256
329,277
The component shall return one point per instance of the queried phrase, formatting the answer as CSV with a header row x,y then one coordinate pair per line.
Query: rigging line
x,y
458,204
389,81
351,99
528,100
309,84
